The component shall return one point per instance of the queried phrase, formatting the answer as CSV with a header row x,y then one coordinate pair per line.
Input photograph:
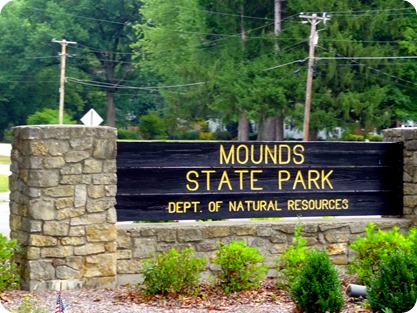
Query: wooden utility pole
x,y
63,54
314,20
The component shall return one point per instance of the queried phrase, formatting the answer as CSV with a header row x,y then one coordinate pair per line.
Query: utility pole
x,y
314,20
63,54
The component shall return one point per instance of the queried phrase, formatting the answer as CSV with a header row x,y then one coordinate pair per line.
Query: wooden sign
x,y
224,180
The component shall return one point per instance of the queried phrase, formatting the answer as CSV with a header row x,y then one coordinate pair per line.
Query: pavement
x,y
5,150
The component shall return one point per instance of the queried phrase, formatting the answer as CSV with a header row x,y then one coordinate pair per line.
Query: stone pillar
x,y
408,136
63,189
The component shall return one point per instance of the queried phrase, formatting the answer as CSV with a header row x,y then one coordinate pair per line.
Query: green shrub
x,y
290,263
128,134
239,266
9,278
377,245
172,272
317,289
395,285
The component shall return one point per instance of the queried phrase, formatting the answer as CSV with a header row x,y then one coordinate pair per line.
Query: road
x,y
4,196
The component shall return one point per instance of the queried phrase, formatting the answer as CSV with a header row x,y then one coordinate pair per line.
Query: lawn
x,y
4,159
4,183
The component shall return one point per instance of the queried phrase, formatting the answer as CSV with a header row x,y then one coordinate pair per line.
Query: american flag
x,y
60,305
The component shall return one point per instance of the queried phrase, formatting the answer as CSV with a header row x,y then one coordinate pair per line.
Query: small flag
x,y
60,305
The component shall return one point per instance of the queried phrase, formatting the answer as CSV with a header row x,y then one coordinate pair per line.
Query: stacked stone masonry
x,y
62,205
63,188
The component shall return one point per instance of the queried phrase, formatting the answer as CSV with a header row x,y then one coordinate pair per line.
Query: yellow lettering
x,y
224,180
245,158
241,172
195,182
182,206
271,154
208,172
299,179
253,153
253,180
298,151
281,178
227,158
281,154
325,178
312,179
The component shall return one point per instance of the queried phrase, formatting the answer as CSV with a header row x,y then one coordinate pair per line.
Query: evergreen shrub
x,y
395,285
317,289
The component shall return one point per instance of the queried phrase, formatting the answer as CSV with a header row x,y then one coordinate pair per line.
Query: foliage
x,y
29,304
128,134
172,272
48,116
395,284
317,289
239,266
9,278
377,245
152,126
291,262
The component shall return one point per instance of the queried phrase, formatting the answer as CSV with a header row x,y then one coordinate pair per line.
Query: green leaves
x,y
239,266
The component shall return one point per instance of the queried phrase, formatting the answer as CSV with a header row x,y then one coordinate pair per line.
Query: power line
x,y
110,85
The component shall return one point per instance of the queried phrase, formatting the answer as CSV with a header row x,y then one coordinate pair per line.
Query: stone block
x,y
76,156
101,265
335,237
43,178
89,219
41,270
94,206
53,163
96,191
42,209
166,235
64,203
101,233
57,252
128,266
52,228
42,241
59,191
89,249
57,147
335,249
65,272
143,247
190,234
69,213
92,167
244,230
72,169
72,241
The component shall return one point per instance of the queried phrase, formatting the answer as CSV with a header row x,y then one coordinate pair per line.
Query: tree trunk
x,y
243,127
279,128
266,130
111,110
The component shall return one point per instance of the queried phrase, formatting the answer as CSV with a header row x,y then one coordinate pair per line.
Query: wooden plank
x,y
155,179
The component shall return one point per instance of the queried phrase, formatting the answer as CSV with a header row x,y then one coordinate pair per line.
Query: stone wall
x,y
63,188
136,241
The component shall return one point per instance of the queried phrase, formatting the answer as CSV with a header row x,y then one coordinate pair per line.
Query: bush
x,y
290,263
9,278
172,272
377,245
317,289
395,285
239,266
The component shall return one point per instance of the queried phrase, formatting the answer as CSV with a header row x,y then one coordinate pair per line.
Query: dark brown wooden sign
x,y
224,180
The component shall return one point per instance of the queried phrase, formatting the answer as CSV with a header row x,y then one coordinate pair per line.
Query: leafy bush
x,y
128,134
172,272
377,245
395,285
9,278
48,116
317,289
290,263
239,266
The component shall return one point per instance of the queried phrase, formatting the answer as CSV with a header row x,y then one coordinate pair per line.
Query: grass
x,y
4,179
4,160
4,183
